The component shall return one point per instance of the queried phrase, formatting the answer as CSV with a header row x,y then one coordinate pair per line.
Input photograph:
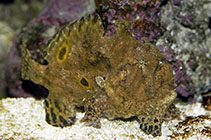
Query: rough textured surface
x,y
142,13
180,29
35,35
25,119
113,76
189,37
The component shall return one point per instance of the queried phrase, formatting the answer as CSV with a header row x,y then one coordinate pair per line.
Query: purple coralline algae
x,y
183,83
35,36
187,24
142,14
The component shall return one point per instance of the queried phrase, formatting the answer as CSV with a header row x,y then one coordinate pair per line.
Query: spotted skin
x,y
111,76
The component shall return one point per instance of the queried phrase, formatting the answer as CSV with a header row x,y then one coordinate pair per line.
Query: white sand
x,y
25,119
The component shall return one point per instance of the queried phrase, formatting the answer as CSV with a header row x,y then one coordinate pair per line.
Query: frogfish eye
x,y
84,82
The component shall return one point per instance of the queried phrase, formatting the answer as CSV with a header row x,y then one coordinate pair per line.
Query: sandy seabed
x,y
24,118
